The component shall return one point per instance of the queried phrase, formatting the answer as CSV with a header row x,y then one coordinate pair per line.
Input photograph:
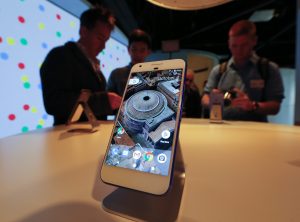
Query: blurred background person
x,y
139,47
254,83
74,66
192,99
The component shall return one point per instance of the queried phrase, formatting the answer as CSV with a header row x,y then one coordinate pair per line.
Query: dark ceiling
x,y
207,29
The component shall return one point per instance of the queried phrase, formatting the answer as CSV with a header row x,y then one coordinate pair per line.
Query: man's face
x,y
138,52
241,47
94,39
189,78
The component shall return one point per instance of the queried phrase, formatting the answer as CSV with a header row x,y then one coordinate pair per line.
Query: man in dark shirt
x,y
72,67
139,48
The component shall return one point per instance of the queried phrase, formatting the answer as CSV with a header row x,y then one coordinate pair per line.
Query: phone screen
x,y
144,133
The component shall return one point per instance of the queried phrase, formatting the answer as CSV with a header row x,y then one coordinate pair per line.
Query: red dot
x,y
26,107
21,19
58,16
21,65
11,117
1,39
103,65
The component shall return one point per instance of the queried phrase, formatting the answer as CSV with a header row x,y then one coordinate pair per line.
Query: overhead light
x,y
262,15
187,4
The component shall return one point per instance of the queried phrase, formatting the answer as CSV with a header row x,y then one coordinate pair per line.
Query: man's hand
x,y
114,100
242,101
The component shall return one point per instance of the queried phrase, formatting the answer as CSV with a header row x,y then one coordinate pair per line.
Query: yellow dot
x,y
24,78
10,41
41,26
41,122
34,109
72,24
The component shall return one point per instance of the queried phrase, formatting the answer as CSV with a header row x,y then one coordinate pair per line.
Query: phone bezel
x,y
147,182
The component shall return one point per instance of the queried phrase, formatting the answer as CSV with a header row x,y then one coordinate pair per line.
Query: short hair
x,y
90,17
242,27
138,35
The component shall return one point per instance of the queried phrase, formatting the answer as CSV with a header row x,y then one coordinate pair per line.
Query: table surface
x,y
235,171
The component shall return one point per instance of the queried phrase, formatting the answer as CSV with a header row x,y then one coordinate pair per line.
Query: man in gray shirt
x,y
255,81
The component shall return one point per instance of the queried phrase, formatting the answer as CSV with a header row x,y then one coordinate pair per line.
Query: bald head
x,y
243,27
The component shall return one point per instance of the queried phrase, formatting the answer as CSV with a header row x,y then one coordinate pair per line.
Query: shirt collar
x,y
253,60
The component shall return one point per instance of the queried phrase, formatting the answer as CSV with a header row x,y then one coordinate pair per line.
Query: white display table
x,y
235,171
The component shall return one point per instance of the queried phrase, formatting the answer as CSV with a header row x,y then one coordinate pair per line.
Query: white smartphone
x,y
141,150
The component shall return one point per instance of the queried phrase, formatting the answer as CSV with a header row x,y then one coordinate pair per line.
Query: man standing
x,y
72,67
255,81
139,47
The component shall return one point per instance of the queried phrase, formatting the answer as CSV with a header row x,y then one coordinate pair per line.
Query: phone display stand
x,y
80,107
140,206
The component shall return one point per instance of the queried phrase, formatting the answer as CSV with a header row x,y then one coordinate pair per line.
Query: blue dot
x,y
45,116
110,56
4,55
41,8
44,45
39,86
72,39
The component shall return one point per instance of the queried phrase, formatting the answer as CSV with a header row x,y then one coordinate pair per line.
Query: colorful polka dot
x,y
44,45
58,34
21,19
58,16
26,85
10,41
103,65
4,55
39,86
34,110
25,129
24,78
118,59
23,41
41,8
39,126
26,107
45,116
11,117
1,40
41,122
72,24
41,26
21,65
103,52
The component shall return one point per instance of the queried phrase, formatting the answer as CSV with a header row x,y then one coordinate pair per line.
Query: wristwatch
x,y
255,105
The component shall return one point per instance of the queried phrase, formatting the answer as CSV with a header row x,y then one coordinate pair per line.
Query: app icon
x,y
120,130
162,158
148,156
137,154
133,81
125,152
165,134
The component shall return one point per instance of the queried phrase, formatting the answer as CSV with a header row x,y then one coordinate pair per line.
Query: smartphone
x,y
141,150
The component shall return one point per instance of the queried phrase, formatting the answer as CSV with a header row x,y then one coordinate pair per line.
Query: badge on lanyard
x,y
257,84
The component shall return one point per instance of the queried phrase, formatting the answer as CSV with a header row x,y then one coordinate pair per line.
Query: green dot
x,y
103,52
72,24
39,126
10,41
58,34
23,41
26,85
34,110
25,129
118,47
41,26
24,79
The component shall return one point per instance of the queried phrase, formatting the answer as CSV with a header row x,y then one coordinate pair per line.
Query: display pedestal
x,y
139,206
